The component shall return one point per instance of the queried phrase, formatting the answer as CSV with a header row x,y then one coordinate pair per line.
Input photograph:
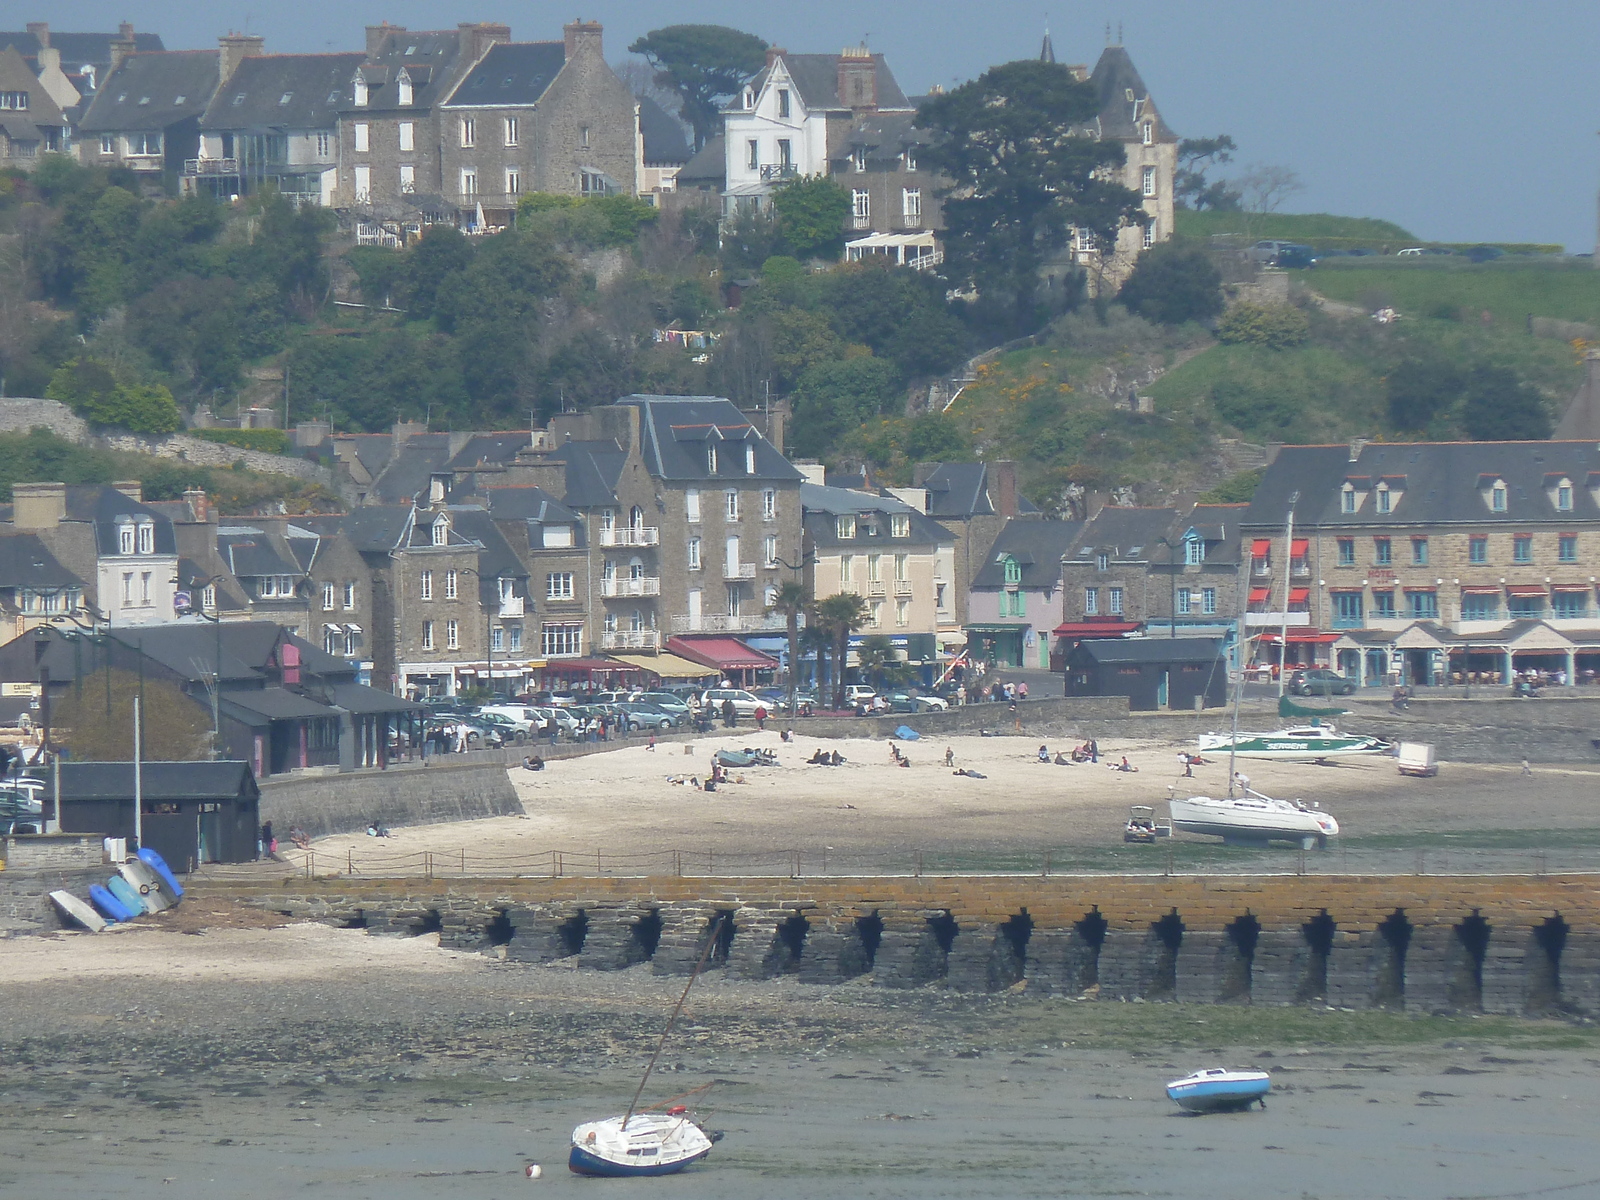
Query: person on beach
x,y
651,746
730,715
836,759
961,693
969,774
1044,754
949,757
761,716
299,837
819,758
1188,765
533,763
1062,760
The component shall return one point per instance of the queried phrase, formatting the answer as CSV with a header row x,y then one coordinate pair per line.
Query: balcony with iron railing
x,y
875,587
619,586
210,166
902,587
728,623
634,535
738,570
630,639
513,606
773,171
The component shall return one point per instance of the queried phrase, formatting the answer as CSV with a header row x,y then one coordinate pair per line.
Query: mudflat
x,y
302,1061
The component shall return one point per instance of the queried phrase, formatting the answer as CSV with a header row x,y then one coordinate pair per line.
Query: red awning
x,y
1261,547
1258,595
1299,595
1313,636
1480,589
583,666
1082,629
1298,547
723,653
1525,589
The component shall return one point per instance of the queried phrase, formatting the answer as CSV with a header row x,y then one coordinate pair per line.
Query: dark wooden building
x,y
194,812
1153,672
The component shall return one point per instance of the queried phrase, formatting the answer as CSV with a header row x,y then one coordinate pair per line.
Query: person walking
x,y
761,716
730,715
961,694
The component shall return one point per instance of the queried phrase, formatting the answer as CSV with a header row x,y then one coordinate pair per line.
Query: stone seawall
x,y
1428,943
25,905
21,415
408,794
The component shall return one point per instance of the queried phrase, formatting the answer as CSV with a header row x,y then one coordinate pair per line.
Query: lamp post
x,y
1288,582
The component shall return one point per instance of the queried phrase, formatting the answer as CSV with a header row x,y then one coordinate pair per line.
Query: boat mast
x,y
1288,582
711,940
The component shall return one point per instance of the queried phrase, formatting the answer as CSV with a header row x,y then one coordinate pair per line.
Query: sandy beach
x,y
332,1064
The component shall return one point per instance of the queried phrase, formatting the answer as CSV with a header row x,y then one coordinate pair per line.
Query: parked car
x,y
636,714
1294,256
1409,252
676,705
518,716
613,697
858,693
1483,254
744,703
1319,681
903,702
1266,251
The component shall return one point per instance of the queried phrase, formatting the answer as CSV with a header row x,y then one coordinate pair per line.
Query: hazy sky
x,y
1462,120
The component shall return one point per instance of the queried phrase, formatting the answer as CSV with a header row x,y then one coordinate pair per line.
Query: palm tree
x,y
841,615
815,639
791,601
879,664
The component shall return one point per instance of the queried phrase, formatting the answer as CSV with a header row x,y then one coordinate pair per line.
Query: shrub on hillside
x,y
1277,326
1172,283
90,389
1501,408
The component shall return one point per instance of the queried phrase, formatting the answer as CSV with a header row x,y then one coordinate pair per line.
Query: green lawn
x,y
1297,227
1509,292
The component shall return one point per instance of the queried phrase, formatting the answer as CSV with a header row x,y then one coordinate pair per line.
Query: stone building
x,y
1016,602
1428,561
663,149
538,117
274,121
146,114
894,201
72,65
31,122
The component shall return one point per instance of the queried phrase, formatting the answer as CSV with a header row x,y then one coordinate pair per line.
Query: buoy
x,y
534,1171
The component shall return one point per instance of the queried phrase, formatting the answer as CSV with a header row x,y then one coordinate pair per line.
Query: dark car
x,y
1294,256
1482,254
1319,681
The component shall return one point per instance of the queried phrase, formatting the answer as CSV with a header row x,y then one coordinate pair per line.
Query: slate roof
x,y
512,73
676,430
528,503
1113,78
16,76
821,506
162,781
886,135
274,703
708,167
283,91
103,505
408,472
377,527
664,140
1037,546
1217,525
496,559
1444,483
432,53
1148,650
495,449
26,563
78,49
153,91
960,490
816,78
1128,534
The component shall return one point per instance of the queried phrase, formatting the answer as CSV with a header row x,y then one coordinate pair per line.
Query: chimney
x,y
858,78
580,34
774,53
405,430
38,505
1005,486
121,46
1357,445
41,32
133,489
311,433
199,505
376,34
235,48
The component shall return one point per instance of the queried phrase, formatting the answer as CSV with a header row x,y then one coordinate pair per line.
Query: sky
x,y
1461,120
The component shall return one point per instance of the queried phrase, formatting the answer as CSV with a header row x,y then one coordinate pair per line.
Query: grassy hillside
x,y
1441,287
1297,227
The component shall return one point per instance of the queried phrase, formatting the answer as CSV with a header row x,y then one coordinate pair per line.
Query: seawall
x,y
441,789
1462,943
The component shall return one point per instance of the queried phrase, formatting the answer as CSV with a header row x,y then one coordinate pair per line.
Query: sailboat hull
x,y
581,1162
652,1144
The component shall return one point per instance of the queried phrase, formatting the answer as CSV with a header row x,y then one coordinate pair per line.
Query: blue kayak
x,y
163,872
125,892
108,905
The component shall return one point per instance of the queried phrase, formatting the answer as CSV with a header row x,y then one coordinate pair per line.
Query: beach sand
x,y
328,1064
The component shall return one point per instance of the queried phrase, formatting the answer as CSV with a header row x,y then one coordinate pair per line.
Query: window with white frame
x,y
858,158
1564,496
910,157
402,88
731,498
1347,499
1148,237
1184,602
361,135
902,567
452,635
911,205
694,554
513,181
583,138
441,532
408,135
497,638
427,635
1497,497
144,589
363,184
127,589
1091,601
352,642
753,155
874,568
408,179
516,638
108,143
691,504
330,641
349,594
1208,600
1194,551
876,612
359,96
322,145
769,504
558,585
469,132
769,550
144,145
847,568
1114,601
861,206
711,460
902,612
147,538
125,539
1384,500
561,641
327,597
469,181
208,598
450,584
899,525
749,458
425,585
845,526
513,130
1148,186
1147,133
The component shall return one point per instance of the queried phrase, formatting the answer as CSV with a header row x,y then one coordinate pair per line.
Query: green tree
x,y
749,240
1191,188
440,254
1236,489
1501,408
1173,282
139,407
702,63
840,615
1275,326
811,213
1022,172
833,397
791,600
1418,390
880,664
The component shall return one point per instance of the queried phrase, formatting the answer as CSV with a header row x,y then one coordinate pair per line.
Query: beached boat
x,y
642,1143
1219,1090
1299,743
1254,818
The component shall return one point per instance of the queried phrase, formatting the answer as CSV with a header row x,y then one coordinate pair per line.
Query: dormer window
x,y
1348,500
900,525
1013,571
1385,499
749,458
125,539
147,538
360,97
711,460
402,88
1148,133
858,157
911,158
1564,496
1497,497
749,98
441,532
846,527
1194,550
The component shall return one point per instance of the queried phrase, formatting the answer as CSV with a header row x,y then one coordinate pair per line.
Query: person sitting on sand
x,y
1124,765
819,759
1044,754
533,763
299,837
376,830
1061,760
836,759
904,760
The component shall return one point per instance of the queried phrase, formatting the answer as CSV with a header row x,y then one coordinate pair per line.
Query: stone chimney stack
x,y
580,34
133,489
858,79
234,49
40,31
199,505
1357,445
375,36
405,430
1005,487
38,505
121,46
476,38
774,53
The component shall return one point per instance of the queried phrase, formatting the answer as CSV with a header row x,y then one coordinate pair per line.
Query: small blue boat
x,y
124,891
169,881
1220,1090
110,907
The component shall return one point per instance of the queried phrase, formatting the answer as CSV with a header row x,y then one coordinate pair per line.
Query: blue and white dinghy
x,y
1220,1090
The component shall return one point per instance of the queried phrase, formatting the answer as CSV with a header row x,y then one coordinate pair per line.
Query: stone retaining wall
x,y
25,905
408,794
1430,943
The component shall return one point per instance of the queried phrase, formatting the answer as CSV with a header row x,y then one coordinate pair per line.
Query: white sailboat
x,y
1254,818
